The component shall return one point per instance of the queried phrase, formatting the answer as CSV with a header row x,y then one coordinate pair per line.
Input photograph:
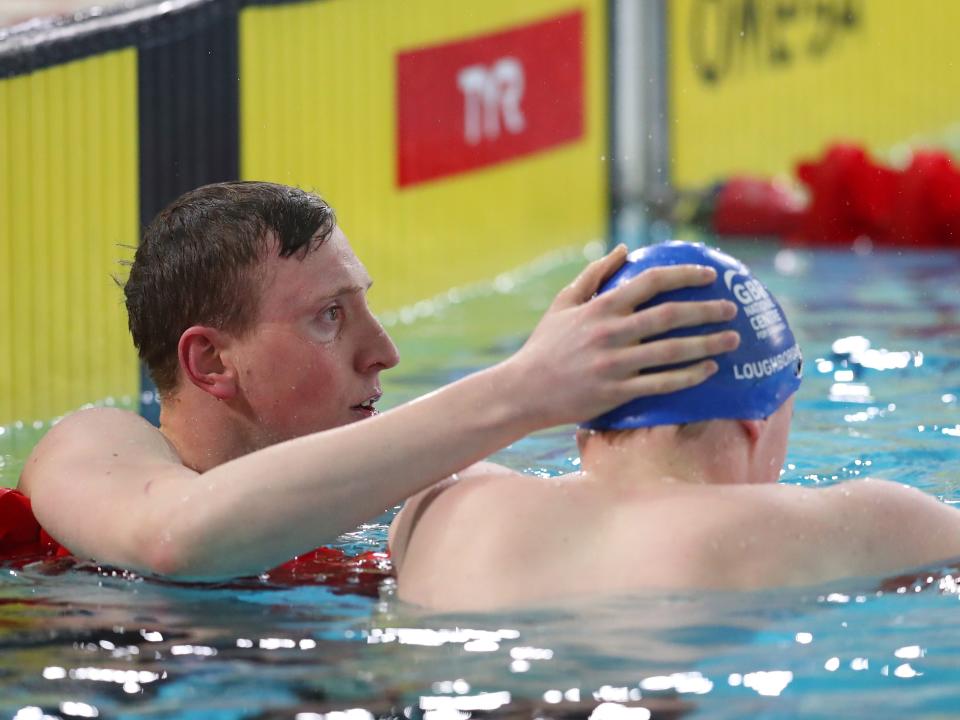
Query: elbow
x,y
165,558
172,545
179,557
170,557
168,561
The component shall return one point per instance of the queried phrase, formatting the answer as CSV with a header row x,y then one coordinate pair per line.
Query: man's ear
x,y
204,362
752,428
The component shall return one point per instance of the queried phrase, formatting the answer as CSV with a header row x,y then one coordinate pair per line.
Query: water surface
x,y
881,338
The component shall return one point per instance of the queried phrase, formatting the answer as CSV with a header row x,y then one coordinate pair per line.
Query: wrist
x,y
510,400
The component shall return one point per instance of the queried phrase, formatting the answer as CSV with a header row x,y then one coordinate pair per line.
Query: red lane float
x,y
754,206
850,197
21,537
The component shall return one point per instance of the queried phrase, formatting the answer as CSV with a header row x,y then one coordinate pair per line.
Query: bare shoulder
x,y
464,493
869,505
92,438
465,545
495,504
897,510
747,536
883,498
89,481
487,494
475,476
91,423
876,526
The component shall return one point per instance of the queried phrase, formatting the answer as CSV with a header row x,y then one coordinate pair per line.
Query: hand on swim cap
x,y
586,284
585,356
756,375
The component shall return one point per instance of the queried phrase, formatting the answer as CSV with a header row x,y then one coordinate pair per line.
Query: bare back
x,y
504,539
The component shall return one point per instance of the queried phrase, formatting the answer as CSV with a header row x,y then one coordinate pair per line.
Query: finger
x,y
674,351
662,318
586,284
668,381
653,281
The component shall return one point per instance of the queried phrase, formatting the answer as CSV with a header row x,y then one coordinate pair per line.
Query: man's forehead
x,y
327,270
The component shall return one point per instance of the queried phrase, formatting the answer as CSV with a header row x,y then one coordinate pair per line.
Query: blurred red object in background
x,y
755,206
926,210
850,197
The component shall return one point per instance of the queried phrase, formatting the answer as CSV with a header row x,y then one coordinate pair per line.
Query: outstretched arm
x,y
110,487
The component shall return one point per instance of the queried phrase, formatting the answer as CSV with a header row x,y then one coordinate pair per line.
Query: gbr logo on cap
x,y
765,318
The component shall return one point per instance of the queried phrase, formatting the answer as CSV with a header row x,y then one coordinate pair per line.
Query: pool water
x,y
881,337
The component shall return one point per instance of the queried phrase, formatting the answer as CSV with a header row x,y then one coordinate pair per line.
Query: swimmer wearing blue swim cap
x,y
690,503
752,381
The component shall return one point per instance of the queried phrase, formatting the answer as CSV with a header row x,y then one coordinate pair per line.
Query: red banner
x,y
489,99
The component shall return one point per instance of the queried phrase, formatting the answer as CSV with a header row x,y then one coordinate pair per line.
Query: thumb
x,y
585,285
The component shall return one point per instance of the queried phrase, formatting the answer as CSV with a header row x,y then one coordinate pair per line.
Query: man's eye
x,y
332,313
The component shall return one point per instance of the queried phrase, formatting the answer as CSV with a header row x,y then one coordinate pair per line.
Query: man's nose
x,y
379,352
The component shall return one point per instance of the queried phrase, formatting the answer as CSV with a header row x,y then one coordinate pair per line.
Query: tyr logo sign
x,y
491,96
489,99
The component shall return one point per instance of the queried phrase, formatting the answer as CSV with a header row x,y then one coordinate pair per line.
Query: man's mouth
x,y
367,406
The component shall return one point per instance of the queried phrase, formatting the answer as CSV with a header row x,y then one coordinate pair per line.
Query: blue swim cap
x,y
752,381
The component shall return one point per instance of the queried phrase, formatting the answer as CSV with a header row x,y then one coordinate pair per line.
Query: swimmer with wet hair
x,y
675,492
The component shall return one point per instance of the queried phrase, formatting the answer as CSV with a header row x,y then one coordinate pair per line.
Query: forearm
x,y
259,510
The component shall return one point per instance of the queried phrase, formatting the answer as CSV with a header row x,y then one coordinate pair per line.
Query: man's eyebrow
x,y
347,290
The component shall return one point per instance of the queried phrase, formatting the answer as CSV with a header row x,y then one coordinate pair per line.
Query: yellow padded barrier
x,y
788,78
68,199
318,106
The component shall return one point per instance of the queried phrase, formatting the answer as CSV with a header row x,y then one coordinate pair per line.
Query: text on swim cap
x,y
747,292
765,317
766,367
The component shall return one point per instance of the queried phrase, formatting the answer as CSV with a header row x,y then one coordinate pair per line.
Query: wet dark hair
x,y
197,263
